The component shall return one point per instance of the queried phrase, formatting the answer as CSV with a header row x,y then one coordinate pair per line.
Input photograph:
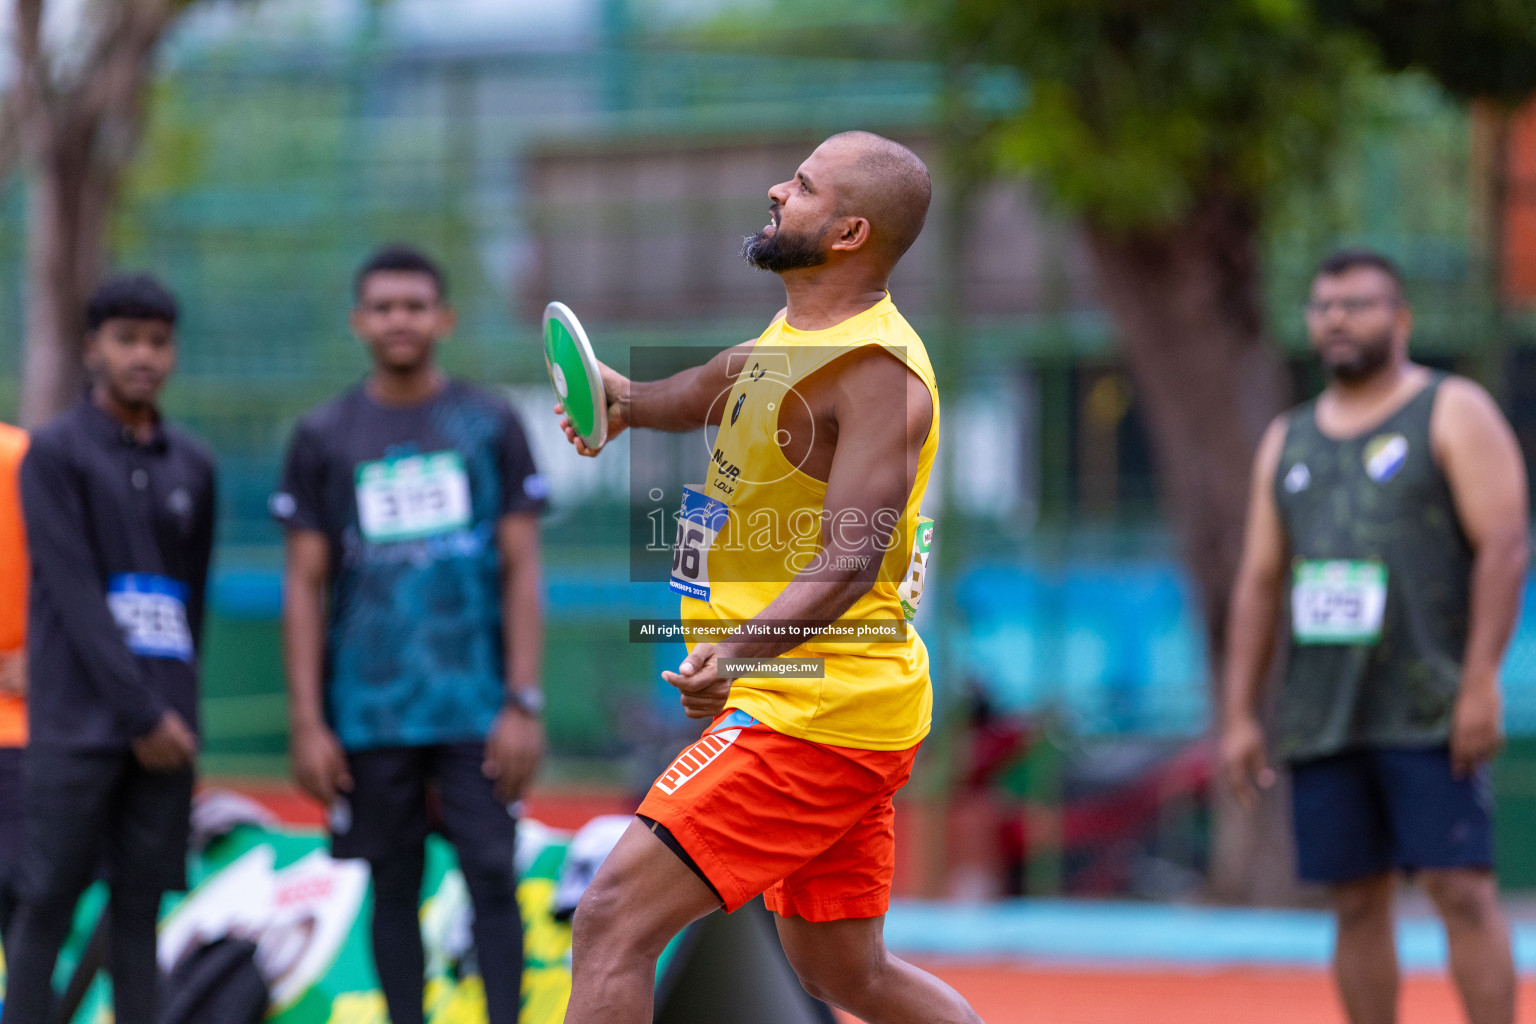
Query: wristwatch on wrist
x,y
529,700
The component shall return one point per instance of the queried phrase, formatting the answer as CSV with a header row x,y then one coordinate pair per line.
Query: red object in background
x,y
995,745
1116,815
1520,207
1098,827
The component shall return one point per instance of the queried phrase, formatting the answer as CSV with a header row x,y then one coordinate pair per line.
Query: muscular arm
x,y
1481,460
1256,596
684,401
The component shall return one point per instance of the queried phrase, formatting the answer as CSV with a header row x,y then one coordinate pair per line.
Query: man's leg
x,y
151,827
12,832
642,896
1344,840
7,905
1481,961
845,963
485,836
397,949
831,918
68,804
498,931
1365,950
1443,824
131,959
384,821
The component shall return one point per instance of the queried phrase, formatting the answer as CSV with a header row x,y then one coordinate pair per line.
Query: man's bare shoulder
x,y
1464,411
1462,396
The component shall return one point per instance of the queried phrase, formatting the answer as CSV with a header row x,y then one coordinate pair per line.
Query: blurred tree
x,y
77,109
1164,125
1480,51
1477,49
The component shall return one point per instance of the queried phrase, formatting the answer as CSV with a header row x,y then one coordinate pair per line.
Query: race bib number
x,y
152,613
1338,602
699,522
412,497
911,589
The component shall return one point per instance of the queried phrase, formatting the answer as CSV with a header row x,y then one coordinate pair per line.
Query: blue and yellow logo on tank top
x,y
1385,455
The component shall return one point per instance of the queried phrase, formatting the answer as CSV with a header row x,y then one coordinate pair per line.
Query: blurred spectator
x,y
119,510
1389,515
412,501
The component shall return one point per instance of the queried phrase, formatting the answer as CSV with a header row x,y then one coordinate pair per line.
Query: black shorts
x,y
89,810
1365,812
399,794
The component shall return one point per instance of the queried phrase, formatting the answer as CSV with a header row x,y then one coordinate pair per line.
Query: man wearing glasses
x,y
1388,518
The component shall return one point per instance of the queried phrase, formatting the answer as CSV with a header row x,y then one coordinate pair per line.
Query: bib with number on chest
x,y
151,611
412,497
699,522
1338,602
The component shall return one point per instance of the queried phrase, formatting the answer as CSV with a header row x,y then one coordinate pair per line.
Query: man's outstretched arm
x,y
682,402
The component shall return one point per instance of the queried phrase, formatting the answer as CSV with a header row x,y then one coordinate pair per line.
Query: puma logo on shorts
x,y
693,760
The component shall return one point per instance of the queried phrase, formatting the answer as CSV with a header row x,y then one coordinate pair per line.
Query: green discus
x,y
573,371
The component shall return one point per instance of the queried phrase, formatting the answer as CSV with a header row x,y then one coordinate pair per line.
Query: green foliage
x,y
1138,107
868,29
1477,49
1408,138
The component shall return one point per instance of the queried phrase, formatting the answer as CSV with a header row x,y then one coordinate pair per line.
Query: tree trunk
x,y
65,253
76,135
1187,302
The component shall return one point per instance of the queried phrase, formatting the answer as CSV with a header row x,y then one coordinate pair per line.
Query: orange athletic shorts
x,y
810,826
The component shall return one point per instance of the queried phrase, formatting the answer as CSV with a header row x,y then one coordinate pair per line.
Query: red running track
x,y
1011,994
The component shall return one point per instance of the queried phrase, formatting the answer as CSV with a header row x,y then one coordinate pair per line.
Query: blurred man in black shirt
x,y
119,512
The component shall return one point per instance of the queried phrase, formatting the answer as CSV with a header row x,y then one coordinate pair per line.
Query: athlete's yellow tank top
x,y
874,696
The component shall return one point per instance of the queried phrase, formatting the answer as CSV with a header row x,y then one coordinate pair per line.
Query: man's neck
x,y
407,387
1379,385
821,297
140,420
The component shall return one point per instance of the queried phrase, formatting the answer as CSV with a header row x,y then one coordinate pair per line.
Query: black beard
x,y
783,251
1367,362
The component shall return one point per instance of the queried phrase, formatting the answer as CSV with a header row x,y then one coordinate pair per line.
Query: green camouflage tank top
x,y
1379,584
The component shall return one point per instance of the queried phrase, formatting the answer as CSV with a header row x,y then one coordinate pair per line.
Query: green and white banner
x,y
310,916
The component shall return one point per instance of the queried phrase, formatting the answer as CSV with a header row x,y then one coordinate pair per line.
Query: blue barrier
x,y
1113,647
1117,933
